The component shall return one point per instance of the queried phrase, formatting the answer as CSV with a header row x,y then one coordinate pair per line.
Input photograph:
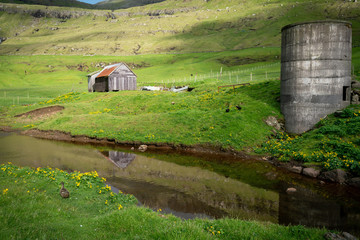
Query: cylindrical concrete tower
x,y
315,72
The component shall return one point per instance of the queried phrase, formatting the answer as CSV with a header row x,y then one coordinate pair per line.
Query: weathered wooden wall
x,y
122,79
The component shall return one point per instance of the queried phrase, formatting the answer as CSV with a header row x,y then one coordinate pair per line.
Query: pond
x,y
204,186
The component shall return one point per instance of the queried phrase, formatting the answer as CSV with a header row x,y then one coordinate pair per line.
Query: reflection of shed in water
x,y
120,159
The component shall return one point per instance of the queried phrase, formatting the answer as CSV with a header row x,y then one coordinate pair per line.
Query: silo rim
x,y
312,22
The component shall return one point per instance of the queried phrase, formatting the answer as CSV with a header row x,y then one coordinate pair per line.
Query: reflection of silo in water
x,y
315,72
121,159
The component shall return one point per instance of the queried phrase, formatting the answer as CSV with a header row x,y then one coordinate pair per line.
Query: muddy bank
x,y
194,149
42,112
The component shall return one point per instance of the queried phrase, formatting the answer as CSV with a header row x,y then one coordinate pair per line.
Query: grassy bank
x,y
334,143
31,208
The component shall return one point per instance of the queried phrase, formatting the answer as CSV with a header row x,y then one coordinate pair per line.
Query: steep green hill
x,y
118,4
64,3
165,27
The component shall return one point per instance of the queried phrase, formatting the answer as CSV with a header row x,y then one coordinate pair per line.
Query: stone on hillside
x,y
311,172
143,148
336,175
273,122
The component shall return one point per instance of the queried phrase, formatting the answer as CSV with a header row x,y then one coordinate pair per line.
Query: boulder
x,y
342,236
355,99
355,182
311,172
295,169
336,175
142,148
355,84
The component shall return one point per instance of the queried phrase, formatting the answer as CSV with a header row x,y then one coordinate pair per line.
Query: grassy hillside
x,y
64,3
117,4
164,27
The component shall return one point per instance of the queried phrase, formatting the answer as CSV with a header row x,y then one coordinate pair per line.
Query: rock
x,y
332,236
355,182
290,190
311,172
296,169
348,236
336,175
322,182
143,148
342,236
355,99
273,122
132,148
355,84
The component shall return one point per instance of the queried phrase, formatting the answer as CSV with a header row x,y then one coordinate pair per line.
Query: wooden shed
x,y
115,77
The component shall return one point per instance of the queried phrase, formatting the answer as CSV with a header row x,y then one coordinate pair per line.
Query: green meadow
x,y
196,117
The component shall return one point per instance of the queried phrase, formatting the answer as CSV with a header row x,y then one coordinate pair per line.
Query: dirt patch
x,y
42,112
237,61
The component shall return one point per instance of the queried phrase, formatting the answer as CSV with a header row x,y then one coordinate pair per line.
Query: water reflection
x,y
308,208
193,191
120,159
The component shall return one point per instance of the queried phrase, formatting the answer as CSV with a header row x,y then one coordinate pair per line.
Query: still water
x,y
191,186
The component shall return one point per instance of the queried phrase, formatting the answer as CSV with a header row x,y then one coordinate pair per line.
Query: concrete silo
x,y
315,72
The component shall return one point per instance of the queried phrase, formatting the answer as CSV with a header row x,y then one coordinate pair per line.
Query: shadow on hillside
x,y
261,29
125,4
267,92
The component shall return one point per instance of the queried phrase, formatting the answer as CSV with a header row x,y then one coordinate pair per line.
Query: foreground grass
x,y
31,208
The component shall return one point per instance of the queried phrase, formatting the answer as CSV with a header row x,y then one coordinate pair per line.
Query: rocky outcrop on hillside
x,y
53,12
67,13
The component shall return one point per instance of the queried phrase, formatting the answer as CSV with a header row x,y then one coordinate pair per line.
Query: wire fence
x,y
32,95
249,75
24,96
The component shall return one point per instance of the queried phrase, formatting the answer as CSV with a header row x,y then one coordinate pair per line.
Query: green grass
x,y
333,144
31,208
196,117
